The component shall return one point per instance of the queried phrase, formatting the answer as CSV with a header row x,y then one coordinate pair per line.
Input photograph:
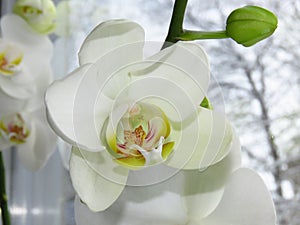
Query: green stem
x,y
175,28
3,197
176,31
190,35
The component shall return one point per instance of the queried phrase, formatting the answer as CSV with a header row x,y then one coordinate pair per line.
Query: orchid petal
x,y
246,200
175,102
192,60
37,60
110,35
107,68
162,81
96,178
203,142
16,89
40,144
155,204
10,105
204,189
41,82
74,113
59,101
151,175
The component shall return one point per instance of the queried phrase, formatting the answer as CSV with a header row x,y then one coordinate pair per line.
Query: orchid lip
x,y
155,155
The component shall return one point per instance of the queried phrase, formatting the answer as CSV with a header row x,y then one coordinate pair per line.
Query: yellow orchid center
x,y
14,129
10,59
141,137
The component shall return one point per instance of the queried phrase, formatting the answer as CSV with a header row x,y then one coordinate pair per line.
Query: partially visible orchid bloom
x,y
39,14
24,61
124,114
30,133
25,73
223,194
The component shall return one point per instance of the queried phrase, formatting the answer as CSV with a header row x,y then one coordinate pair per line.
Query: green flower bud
x,y
250,24
39,14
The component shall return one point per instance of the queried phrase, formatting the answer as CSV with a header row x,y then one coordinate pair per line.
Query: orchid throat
x,y
13,129
141,137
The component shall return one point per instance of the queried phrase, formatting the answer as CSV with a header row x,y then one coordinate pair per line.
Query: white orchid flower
x,y
124,114
222,194
39,14
25,73
24,61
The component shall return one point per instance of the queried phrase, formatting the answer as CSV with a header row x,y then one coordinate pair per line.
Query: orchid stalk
x,y
3,197
176,30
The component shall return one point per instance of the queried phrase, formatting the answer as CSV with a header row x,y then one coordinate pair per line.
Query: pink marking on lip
x,y
150,134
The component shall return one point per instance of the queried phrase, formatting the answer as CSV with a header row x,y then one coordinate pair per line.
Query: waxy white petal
x,y
158,204
41,82
176,79
9,105
246,201
110,35
204,189
190,59
151,175
96,178
169,96
71,110
203,142
22,88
